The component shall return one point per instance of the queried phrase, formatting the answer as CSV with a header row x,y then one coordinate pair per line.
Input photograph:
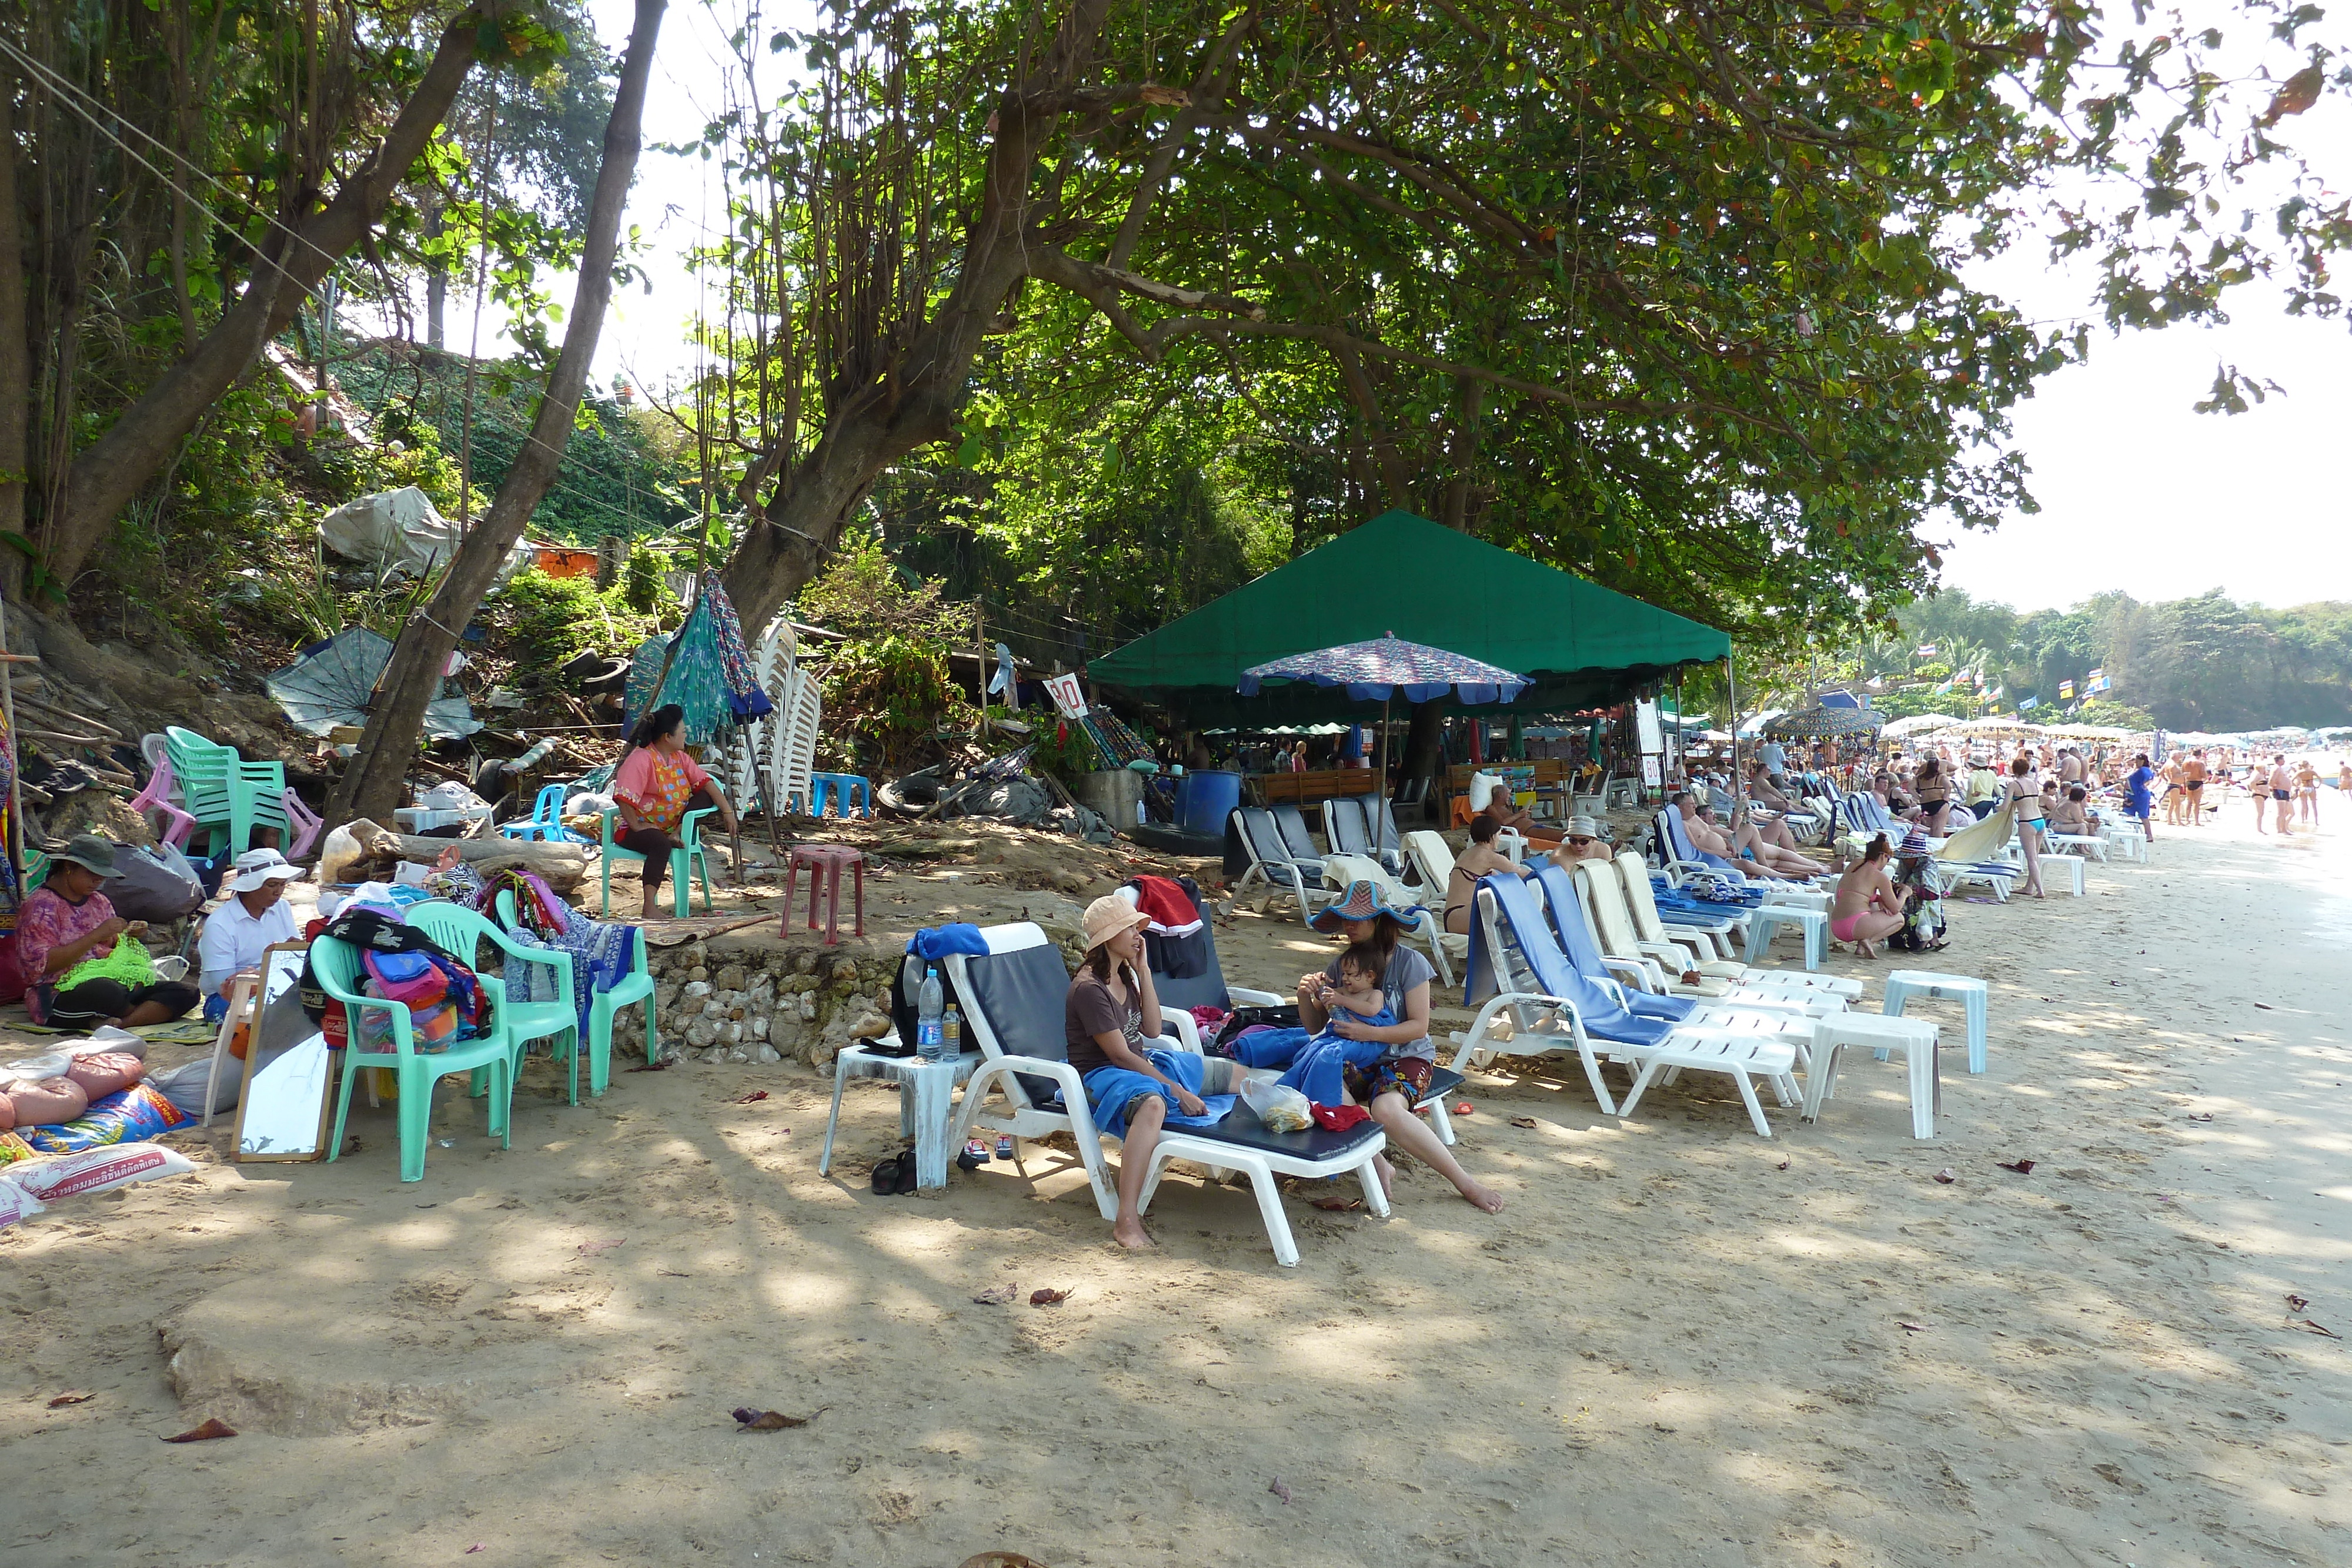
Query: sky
x,y
2138,493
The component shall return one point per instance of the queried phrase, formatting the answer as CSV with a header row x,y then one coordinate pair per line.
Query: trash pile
x,y
1001,789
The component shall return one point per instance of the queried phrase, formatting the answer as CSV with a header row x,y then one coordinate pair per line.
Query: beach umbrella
x,y
1385,668
333,683
1824,724
1920,724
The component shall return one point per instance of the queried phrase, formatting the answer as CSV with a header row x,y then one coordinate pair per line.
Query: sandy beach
x,y
1679,1345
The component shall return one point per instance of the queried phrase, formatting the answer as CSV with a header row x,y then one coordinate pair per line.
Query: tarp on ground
x,y
1581,644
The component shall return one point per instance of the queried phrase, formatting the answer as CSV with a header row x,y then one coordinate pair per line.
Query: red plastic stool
x,y
824,862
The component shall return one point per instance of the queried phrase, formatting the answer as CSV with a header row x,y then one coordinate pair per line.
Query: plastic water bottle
x,y
928,1023
950,1034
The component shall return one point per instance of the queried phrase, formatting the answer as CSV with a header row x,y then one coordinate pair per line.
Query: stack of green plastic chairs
x,y
225,793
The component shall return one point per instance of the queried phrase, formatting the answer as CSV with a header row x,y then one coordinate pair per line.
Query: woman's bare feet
x,y
1865,950
1386,1173
1481,1197
1130,1234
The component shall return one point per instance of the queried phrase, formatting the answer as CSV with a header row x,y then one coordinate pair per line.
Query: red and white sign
x,y
1066,696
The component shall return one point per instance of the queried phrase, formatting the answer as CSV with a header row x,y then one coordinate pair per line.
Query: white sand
x,y
1669,1350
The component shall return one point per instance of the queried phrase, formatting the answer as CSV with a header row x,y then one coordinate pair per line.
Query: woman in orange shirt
x,y
656,785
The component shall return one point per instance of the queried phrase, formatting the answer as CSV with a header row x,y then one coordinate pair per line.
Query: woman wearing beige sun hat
x,y
1134,1081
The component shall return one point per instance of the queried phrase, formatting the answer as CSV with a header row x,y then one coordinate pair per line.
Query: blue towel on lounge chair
x,y
1684,848
1110,1090
1314,1063
1576,941
1604,1017
933,943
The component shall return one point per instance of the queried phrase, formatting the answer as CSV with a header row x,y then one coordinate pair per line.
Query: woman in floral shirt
x,y
656,786
66,923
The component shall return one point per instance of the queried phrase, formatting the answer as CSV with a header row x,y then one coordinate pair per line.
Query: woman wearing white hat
x,y
253,918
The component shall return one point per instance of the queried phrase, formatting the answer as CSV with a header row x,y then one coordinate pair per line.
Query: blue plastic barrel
x,y
1206,798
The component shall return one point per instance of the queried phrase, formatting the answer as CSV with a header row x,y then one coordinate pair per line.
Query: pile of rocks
x,y
751,998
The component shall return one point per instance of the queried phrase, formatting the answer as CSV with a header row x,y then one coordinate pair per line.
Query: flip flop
x,y
885,1175
906,1183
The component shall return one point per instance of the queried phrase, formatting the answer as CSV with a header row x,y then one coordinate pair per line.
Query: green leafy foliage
x,y
549,620
889,695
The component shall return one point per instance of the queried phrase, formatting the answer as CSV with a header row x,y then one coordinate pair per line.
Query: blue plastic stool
x,y
845,788
1765,921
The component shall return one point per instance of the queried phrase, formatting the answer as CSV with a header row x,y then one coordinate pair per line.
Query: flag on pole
x,y
2025,703
2098,682
2066,690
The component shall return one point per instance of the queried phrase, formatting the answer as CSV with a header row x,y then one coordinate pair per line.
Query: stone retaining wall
x,y
749,997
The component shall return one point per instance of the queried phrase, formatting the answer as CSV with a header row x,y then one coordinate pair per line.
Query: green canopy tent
x,y
1579,643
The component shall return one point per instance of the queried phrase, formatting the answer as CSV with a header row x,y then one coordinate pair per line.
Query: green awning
x,y
1580,644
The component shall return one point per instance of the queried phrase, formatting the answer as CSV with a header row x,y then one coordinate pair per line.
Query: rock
x,y
698,974
821,1055
804,963
870,1026
757,1026
845,973
762,991
694,993
731,978
738,1054
730,1034
766,1053
702,1032
808,1007
711,1010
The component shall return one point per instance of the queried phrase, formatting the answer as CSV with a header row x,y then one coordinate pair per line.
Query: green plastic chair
x,y
687,854
337,966
637,984
225,793
460,931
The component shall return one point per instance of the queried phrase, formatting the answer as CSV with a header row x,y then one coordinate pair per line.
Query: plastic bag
x,y
1282,1110
339,852
185,1086
46,1181
17,1204
157,883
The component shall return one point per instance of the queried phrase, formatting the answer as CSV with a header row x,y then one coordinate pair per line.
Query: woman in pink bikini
x,y
1867,906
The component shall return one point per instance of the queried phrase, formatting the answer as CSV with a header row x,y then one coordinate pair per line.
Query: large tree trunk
x,y
914,403
112,471
15,347
371,787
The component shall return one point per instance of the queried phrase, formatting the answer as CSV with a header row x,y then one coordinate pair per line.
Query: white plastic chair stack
x,y
783,744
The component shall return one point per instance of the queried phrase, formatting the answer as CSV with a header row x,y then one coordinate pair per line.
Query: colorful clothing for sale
x,y
50,920
656,785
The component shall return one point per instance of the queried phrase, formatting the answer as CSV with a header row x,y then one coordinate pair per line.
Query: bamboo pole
x,y
16,835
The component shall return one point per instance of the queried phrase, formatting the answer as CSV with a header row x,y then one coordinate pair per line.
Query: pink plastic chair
x,y
157,797
306,824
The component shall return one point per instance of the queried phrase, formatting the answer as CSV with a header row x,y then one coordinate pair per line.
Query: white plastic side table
x,y
925,1104
1917,1039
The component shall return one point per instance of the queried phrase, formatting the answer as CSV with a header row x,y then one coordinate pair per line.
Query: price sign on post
x,y
1652,774
1068,697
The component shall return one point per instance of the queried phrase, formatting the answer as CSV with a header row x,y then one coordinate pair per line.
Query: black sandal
x,y
906,1183
885,1175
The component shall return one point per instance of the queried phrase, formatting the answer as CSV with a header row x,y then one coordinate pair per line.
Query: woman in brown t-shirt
x,y
1111,1025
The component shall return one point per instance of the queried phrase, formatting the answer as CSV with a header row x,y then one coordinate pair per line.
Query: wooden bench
x,y
1309,788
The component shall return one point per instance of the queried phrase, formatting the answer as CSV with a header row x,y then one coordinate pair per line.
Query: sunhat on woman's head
x,y
1361,901
1109,916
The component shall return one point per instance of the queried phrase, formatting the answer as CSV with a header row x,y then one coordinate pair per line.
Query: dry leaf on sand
x,y
1048,1296
213,1426
71,1397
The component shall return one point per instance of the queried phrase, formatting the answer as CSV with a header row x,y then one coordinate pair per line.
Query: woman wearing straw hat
x,y
1110,1025
67,925
1387,1089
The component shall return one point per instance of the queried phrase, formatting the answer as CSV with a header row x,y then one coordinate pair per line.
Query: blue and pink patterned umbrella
x,y
1379,670
1388,666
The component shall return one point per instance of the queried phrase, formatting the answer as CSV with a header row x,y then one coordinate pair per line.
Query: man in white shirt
x,y
1775,758
253,918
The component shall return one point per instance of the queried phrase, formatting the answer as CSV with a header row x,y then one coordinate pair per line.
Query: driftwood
x,y
564,867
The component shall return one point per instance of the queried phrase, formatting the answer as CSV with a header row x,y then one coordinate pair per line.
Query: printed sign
x,y
1650,773
1068,697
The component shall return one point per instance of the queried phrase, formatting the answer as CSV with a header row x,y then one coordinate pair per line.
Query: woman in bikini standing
x,y
1479,858
1935,792
2026,796
1867,906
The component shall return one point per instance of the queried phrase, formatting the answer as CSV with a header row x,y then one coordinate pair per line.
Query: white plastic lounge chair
x,y
1699,941
1015,994
1271,865
1543,1006
1661,965
1346,826
1297,843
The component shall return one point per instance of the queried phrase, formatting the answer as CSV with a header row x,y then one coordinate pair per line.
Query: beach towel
x,y
1111,1090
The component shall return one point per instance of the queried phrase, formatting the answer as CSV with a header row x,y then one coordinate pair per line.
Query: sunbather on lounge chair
x,y
1111,1022
1477,859
1404,1073
1751,844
